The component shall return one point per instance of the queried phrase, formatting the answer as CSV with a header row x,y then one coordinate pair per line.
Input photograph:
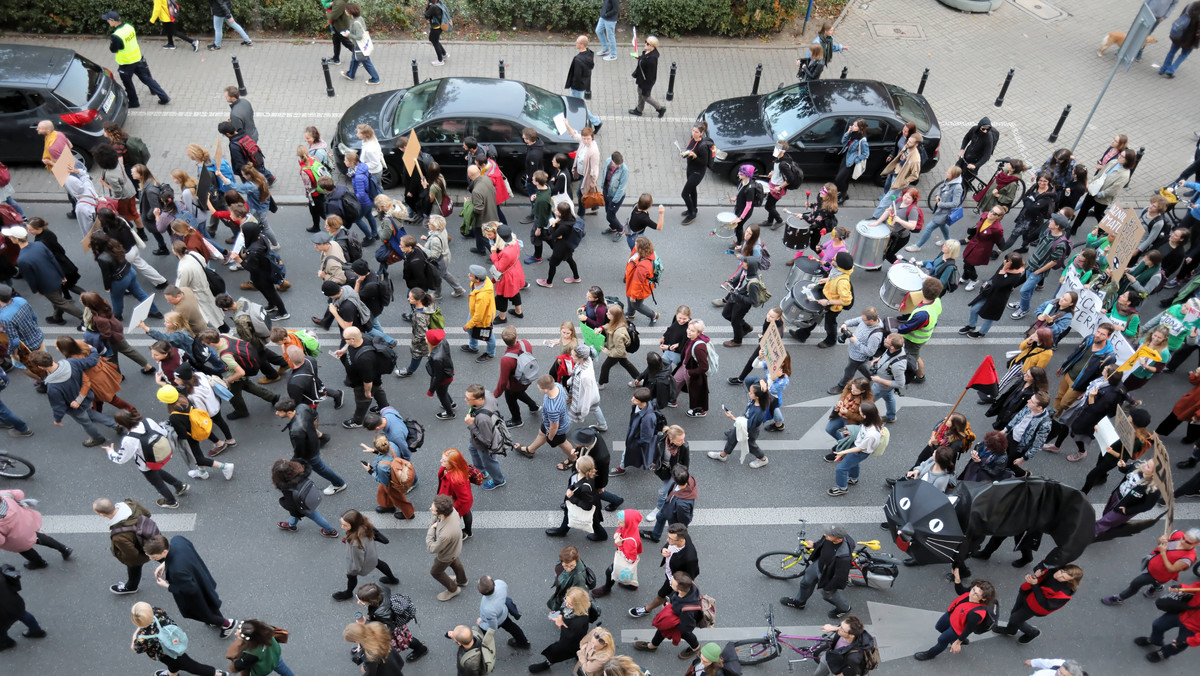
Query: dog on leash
x,y
1118,38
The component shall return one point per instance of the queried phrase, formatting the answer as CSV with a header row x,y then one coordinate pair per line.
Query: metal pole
x,y
1058,127
237,72
807,14
671,84
845,71
501,69
1095,106
416,76
328,80
924,79
1004,89
757,77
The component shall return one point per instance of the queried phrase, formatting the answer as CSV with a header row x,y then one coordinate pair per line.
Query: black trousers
x,y
560,257
842,179
316,209
435,39
514,630
184,662
141,71
1099,474
45,541
1169,423
610,362
171,31
362,403
513,397
262,283
689,190
735,311
772,213
1089,207
338,41
830,327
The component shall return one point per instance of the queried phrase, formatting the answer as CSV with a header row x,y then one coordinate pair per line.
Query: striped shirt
x,y
554,410
19,322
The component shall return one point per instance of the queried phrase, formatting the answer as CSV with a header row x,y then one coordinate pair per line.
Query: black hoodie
x,y
579,76
977,145
535,158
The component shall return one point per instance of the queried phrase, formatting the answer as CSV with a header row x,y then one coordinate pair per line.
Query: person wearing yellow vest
x,y
123,43
918,328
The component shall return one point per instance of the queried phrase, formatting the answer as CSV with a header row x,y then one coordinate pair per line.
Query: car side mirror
x,y
797,144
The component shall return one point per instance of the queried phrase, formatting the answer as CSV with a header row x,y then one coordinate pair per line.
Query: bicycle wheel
x,y
755,650
781,565
13,467
933,193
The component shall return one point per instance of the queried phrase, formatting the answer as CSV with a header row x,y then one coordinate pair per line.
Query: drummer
x,y
743,204
822,215
904,217
838,292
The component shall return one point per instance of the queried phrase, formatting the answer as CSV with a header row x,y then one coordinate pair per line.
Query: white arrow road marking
x,y
828,402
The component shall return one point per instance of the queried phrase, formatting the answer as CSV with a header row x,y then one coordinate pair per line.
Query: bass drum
x,y
901,280
805,270
795,233
798,311
868,243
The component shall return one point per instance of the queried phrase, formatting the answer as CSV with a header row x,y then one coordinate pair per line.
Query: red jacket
x,y
1156,567
508,262
1045,597
965,617
979,247
1191,619
459,489
508,366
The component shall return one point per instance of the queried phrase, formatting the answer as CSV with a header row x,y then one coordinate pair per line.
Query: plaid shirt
x,y
19,321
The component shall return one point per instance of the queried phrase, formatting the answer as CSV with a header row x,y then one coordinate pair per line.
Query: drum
x,y
867,244
795,233
902,279
804,271
798,310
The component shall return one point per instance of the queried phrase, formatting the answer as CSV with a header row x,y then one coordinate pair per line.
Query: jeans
x,y
219,24
808,584
848,468
984,325
611,207
946,637
888,395
377,330
885,202
639,305
834,428
1171,64
370,68
127,284
578,93
938,222
141,71
316,518
7,417
473,343
1160,626
1032,279
318,465
489,463
86,416
13,203
606,32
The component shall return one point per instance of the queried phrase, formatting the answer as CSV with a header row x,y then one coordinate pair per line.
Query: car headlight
x,y
719,154
343,148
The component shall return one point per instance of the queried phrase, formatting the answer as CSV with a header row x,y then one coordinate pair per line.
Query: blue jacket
x,y
253,200
855,153
361,180
1194,207
1094,366
639,441
1061,326
396,431
62,391
224,177
620,179
493,608
40,269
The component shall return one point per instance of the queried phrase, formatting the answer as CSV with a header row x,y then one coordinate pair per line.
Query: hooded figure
x,y
978,144
623,570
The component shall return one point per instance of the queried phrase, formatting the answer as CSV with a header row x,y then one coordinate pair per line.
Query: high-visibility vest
x,y
130,53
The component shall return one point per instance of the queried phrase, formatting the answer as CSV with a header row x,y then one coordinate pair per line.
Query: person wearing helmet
x,y
191,426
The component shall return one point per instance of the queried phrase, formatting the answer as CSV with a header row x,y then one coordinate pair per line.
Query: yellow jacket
x,y
1041,358
838,290
482,304
161,12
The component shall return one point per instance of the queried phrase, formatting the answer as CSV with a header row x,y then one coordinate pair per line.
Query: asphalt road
x,y
286,578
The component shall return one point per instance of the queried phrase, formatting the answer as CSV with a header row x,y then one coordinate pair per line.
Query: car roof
x,y
478,96
850,96
29,66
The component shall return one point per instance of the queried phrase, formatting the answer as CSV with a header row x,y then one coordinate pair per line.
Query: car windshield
x,y
786,111
80,83
413,106
909,108
540,108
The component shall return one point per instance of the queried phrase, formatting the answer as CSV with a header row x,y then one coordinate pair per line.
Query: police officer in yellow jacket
x,y
123,44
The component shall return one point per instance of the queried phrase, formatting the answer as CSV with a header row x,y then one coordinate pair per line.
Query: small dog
x,y
1118,38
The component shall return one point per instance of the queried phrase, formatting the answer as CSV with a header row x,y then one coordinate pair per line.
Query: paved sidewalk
x,y
968,56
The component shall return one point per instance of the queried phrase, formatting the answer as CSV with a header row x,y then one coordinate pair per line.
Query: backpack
x,y
307,495
884,438
171,638
136,151
502,441
870,656
149,439
757,291
437,320
278,268
484,651
1180,26
244,354
416,434
381,347
11,576
5,176
656,273
143,530
526,371
216,283
312,347
758,194
708,612
635,341
351,243
792,174
317,170
10,216
577,233
447,22
351,209
951,284
201,423
714,362
250,149
1062,260
403,609
203,358
325,160
764,261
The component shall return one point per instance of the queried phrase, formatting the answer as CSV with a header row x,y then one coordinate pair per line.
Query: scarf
x,y
944,437
1000,180
1144,350
348,293
1142,273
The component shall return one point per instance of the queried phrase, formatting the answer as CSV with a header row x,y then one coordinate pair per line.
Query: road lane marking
x,y
180,522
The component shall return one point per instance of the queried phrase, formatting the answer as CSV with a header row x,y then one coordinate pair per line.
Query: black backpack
x,y
216,283
793,176
386,352
635,341
351,209
350,241
758,195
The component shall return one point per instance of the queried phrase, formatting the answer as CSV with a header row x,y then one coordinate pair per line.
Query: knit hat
x,y
504,232
583,351
478,271
435,336
168,394
1140,417
330,288
711,652
844,260
185,371
360,267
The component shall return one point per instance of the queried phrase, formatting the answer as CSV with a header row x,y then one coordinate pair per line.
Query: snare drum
x,y
804,271
902,279
795,233
867,244
725,218
798,310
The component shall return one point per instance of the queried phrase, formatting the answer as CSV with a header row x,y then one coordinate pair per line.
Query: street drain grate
x,y
896,31
1040,9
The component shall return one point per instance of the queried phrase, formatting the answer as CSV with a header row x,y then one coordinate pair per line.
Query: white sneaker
x,y
912,248
438,63
331,489
197,474
1019,313
971,285
227,471
756,463
716,455
940,242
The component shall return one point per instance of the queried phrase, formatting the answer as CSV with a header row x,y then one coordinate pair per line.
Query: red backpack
x,y
5,176
253,153
244,354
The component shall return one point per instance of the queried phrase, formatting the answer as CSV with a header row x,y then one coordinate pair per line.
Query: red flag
x,y
985,376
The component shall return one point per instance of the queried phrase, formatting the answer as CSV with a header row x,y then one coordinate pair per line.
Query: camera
x,y
843,335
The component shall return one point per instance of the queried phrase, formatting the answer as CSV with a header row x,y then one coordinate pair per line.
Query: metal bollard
x,y
924,79
1058,127
416,76
237,72
501,69
328,80
1004,89
845,71
757,77
671,84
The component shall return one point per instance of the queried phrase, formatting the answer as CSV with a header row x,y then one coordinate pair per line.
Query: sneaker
x,y
91,443
120,588
248,43
975,334
284,525
437,63
617,471
168,46
672,404
965,330
611,57
716,455
329,533
182,489
759,462
1113,600
697,412
791,603
852,482
445,595
347,76
227,471
637,612
971,285
351,424
1151,590
213,48
831,456
197,474
491,485
838,614
373,82
280,316
913,248
1014,305
333,490
1019,313
483,358
514,424
195,45
442,415
572,280
230,626
162,502
468,348
836,491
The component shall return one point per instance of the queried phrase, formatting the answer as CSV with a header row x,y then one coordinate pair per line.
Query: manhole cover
x,y
897,31
1040,9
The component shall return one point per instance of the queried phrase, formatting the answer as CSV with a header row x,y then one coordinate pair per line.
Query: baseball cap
x,y
16,232
110,16
320,238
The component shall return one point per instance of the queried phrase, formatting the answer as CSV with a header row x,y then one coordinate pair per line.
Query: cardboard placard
x,y
63,165
1125,231
1162,479
1089,312
411,151
1124,429
773,350
217,156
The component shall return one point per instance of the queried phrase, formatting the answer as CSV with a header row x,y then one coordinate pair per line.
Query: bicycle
x,y
866,569
972,184
12,467
758,650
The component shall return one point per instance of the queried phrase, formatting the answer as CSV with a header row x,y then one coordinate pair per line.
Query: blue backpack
x,y
577,233
171,638
278,269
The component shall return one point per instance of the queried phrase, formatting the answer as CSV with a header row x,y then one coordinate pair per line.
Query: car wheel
x,y
733,171
82,157
390,178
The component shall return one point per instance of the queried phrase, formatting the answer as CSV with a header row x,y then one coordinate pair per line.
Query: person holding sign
x,y
1117,456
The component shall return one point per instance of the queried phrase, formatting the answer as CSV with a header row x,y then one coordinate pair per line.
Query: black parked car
x,y
48,83
811,117
447,110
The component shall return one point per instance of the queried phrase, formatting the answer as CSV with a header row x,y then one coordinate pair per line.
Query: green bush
x,y
731,18
550,15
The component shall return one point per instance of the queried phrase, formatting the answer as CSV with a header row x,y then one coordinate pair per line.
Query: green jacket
x,y
338,18
260,661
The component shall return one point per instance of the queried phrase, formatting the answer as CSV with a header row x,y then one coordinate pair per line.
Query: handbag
x,y
281,635
474,475
955,215
1174,602
494,273
579,518
624,570
593,200
860,167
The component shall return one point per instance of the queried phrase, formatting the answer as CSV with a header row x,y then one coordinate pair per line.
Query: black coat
x,y
418,271
12,606
995,293
579,75
191,584
977,146
535,158
686,560
848,660
837,574
730,664
567,645
646,73
603,458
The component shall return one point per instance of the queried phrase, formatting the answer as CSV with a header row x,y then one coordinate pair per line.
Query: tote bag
x,y
624,571
579,518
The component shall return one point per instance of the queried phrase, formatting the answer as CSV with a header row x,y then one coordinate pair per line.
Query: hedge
x,y
730,18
